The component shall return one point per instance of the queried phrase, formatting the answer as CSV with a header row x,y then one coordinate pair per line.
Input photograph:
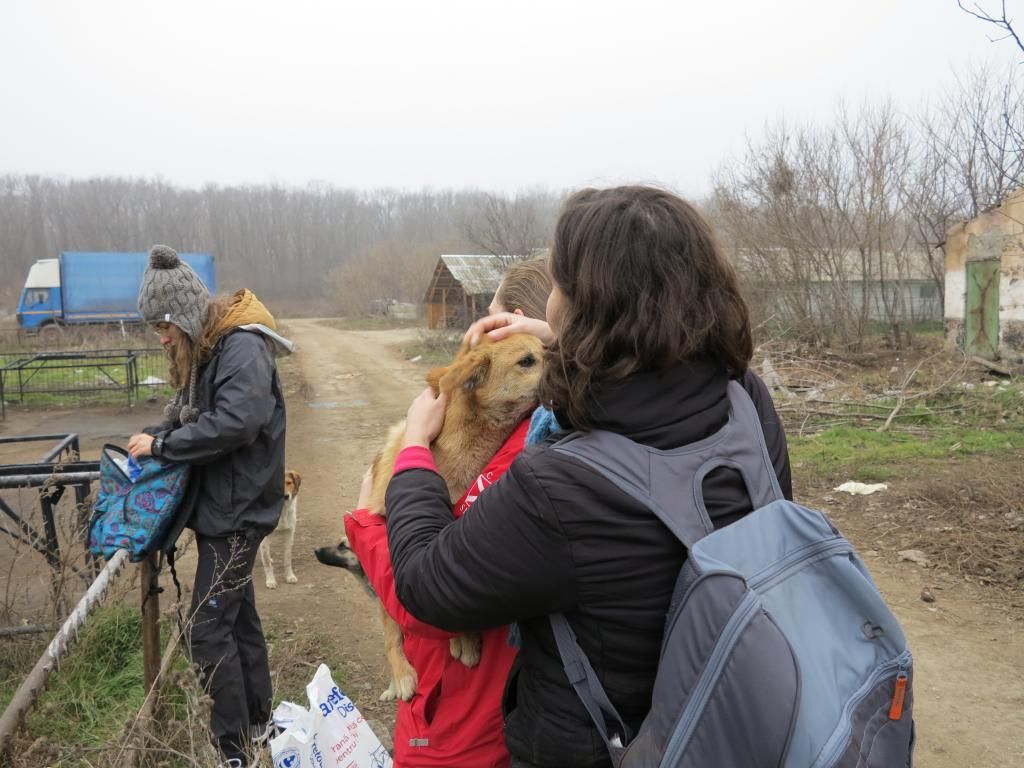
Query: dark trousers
x,y
518,763
227,641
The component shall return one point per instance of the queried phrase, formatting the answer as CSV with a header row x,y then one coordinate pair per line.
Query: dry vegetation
x,y
943,432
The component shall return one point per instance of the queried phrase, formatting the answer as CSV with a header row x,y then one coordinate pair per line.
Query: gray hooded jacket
x,y
237,445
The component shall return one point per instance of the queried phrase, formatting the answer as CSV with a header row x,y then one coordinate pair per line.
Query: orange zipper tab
x,y
899,695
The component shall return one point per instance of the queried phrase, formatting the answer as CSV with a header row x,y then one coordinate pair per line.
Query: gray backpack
x,y
778,648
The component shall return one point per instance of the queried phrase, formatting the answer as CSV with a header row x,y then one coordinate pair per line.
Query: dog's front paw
x,y
291,578
466,648
406,685
403,688
271,584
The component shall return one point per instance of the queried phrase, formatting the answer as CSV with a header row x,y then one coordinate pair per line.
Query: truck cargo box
x,y
98,287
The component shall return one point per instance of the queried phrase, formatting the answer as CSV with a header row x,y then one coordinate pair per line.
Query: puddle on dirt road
x,y
330,405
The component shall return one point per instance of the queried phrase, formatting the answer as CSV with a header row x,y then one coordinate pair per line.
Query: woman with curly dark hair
x,y
645,328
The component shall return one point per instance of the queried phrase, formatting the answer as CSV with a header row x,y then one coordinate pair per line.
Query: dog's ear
x,y
434,379
435,375
296,480
468,371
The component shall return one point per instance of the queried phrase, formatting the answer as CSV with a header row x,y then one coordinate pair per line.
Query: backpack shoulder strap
x,y
588,688
670,483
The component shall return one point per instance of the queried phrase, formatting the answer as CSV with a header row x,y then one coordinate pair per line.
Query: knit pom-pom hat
x,y
171,292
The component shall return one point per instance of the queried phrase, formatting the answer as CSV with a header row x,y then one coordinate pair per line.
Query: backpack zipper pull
x,y
899,695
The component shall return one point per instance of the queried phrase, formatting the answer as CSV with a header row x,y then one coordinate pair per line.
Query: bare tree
x,y
510,228
969,155
816,220
1002,21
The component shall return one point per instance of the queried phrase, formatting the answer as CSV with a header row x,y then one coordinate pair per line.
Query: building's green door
x,y
981,322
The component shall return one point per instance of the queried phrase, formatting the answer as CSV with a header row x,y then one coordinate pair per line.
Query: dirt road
x,y
354,385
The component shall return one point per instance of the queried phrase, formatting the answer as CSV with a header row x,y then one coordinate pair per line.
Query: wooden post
x,y
444,306
150,621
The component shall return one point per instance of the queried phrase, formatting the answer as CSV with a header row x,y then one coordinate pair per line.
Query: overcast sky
x,y
438,93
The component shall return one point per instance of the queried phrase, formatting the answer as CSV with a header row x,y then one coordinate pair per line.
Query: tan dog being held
x,y
491,388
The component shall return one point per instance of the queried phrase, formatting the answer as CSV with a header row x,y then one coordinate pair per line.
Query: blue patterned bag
x,y
136,516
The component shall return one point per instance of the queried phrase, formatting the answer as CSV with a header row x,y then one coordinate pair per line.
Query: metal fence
x,y
58,469
66,377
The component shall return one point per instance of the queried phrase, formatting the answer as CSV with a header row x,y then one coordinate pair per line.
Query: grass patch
x,y
98,686
294,658
919,328
66,383
96,690
433,347
17,658
866,455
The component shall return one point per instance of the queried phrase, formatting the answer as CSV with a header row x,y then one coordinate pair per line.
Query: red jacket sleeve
x,y
368,538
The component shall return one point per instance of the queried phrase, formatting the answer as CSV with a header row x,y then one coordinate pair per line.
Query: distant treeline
x,y
319,244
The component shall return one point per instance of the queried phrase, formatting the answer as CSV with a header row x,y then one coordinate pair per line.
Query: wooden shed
x,y
461,289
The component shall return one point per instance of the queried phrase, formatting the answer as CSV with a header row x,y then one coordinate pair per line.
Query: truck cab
x,y
40,302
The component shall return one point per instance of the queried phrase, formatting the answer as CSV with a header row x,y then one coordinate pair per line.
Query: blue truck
x,y
80,287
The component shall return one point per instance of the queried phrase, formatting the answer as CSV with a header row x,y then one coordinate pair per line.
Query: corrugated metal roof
x,y
478,274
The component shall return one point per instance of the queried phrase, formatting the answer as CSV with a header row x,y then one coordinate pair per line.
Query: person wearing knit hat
x,y
228,421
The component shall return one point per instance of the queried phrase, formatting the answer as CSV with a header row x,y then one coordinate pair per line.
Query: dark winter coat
x,y
237,445
553,536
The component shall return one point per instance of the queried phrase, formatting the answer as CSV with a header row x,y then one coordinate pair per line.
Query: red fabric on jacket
x,y
454,718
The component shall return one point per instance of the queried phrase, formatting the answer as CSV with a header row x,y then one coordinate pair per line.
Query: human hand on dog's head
x,y
425,418
504,324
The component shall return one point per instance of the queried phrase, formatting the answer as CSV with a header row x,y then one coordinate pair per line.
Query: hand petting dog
x,y
424,419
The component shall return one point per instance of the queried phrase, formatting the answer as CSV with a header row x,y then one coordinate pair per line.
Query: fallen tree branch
x,y
992,366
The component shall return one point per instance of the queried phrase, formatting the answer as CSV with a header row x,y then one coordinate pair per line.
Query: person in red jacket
x,y
454,718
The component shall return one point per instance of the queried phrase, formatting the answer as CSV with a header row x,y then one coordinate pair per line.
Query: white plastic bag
x,y
330,734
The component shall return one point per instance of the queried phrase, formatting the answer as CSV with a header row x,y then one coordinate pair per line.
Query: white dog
x,y
285,529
